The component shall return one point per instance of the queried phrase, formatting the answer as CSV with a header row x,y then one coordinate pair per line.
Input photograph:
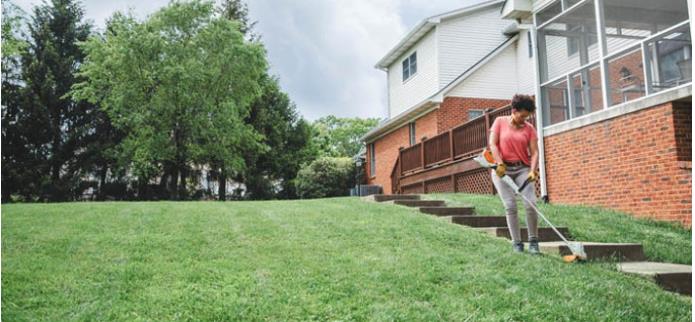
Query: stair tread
x,y
590,244
654,268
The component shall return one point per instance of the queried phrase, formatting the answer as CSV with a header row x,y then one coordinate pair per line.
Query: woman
x,y
514,145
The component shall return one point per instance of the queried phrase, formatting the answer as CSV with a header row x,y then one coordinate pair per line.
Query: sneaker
x,y
518,247
533,247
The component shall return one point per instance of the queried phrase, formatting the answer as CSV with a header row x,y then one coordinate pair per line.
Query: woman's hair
x,y
522,102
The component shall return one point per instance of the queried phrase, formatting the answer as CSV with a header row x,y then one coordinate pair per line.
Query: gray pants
x,y
519,175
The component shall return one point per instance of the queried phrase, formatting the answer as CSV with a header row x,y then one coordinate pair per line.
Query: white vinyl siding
x,y
405,94
496,79
525,72
466,40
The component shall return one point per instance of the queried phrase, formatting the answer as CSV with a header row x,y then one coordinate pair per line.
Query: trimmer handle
x,y
524,185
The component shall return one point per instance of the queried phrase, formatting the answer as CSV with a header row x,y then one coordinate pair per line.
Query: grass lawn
x,y
331,259
662,241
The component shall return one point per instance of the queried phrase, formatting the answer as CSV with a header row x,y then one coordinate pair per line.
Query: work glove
x,y
533,176
501,169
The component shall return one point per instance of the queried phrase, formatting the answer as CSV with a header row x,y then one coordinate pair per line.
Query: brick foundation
x,y
637,163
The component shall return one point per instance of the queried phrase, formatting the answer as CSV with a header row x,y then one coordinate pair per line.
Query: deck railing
x,y
463,141
411,158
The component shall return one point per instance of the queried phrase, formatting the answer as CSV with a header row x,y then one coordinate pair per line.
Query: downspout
x,y
539,112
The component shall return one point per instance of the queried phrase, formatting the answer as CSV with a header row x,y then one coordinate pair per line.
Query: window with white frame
x,y
372,160
409,66
474,114
411,126
591,58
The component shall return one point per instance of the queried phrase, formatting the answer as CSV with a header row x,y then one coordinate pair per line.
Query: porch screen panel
x,y
630,21
568,42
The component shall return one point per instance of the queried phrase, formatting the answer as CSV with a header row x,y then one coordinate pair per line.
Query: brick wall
x,y
386,148
629,163
454,110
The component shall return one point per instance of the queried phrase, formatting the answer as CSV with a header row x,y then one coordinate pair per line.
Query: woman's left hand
x,y
533,176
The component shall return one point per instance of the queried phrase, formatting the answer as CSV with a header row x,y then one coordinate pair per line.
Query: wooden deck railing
x,y
411,158
395,177
463,141
437,148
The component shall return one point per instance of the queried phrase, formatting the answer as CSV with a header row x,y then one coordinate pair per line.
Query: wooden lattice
x,y
412,189
475,181
442,184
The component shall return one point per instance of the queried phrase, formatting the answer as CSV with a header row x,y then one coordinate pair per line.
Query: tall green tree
x,y
340,137
238,10
16,155
51,126
179,85
286,136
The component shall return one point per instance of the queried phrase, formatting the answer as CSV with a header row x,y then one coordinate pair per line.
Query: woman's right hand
x,y
501,169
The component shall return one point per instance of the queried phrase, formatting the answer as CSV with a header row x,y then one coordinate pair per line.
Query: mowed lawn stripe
x,y
326,259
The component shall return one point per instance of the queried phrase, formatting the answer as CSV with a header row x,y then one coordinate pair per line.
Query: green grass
x,y
662,241
332,259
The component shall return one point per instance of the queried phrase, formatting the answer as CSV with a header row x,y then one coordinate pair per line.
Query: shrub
x,y
326,177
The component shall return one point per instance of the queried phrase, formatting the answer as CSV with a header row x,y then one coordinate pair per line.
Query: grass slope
x,y
662,241
293,260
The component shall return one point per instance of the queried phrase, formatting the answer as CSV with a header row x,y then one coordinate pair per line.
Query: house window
x,y
530,44
412,133
372,161
473,114
410,66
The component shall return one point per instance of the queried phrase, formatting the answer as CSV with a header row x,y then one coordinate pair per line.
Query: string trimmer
x,y
488,161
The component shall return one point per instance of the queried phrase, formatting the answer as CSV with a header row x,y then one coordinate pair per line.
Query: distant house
x,y
446,71
613,84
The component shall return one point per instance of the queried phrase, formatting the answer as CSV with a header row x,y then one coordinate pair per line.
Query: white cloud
x,y
324,51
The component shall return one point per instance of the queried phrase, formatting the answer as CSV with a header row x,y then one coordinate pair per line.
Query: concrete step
x,y
672,277
382,198
480,221
420,203
545,234
448,211
625,252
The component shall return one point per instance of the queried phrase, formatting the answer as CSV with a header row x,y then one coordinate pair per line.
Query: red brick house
x,y
446,71
614,86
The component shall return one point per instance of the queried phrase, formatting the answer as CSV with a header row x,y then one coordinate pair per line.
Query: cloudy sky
x,y
323,51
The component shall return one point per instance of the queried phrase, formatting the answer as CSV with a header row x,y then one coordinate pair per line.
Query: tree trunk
x,y
173,185
183,193
102,182
222,189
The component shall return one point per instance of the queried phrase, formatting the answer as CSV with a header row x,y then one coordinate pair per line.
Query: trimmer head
x,y
578,253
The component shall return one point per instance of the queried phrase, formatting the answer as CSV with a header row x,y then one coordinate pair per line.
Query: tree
x,y
285,135
326,177
340,137
45,126
179,85
238,11
15,153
